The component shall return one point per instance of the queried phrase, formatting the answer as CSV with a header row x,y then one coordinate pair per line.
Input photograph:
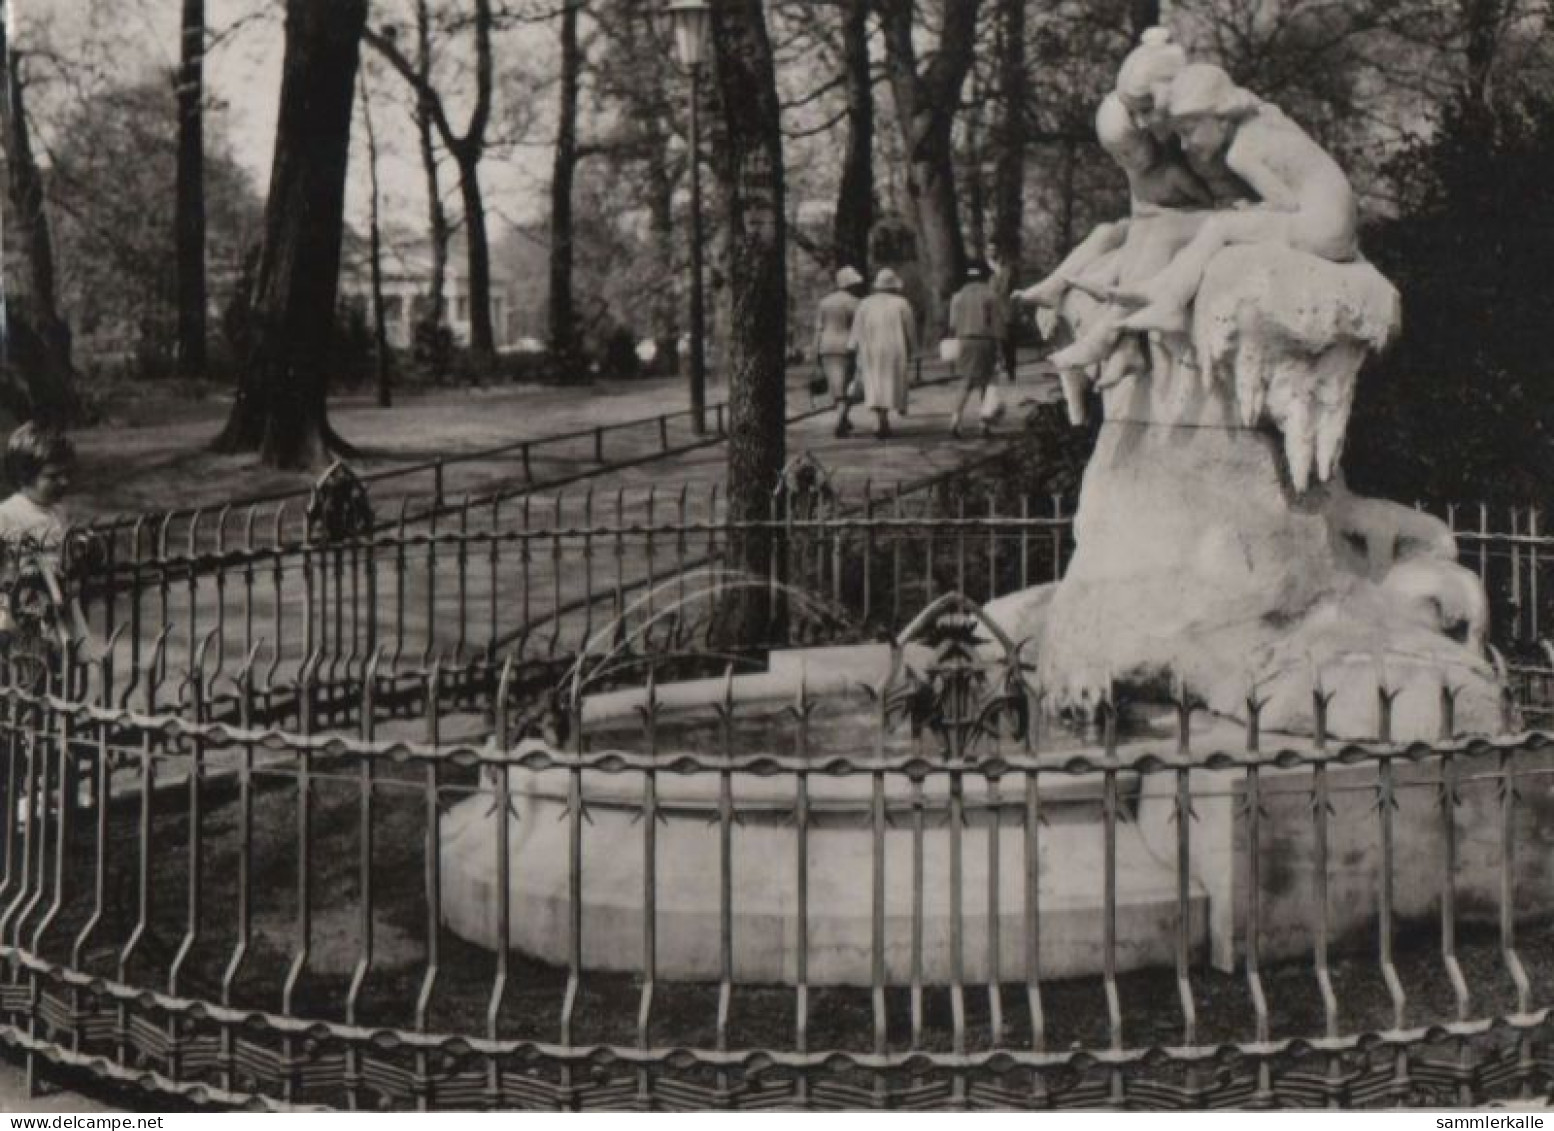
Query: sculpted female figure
x,y
1133,130
1306,200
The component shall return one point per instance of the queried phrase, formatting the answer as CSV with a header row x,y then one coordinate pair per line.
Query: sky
x,y
129,40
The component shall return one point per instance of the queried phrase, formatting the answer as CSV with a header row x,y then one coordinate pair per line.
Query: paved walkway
x,y
153,456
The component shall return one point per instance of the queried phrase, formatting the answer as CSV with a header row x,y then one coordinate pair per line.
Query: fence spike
x,y
1448,704
151,673
1386,694
196,670
1254,711
1320,698
370,693
1109,715
501,723
1182,700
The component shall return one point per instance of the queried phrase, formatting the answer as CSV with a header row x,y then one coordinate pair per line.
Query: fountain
x,y
1223,574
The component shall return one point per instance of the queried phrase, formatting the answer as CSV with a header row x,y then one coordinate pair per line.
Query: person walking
x,y
1002,282
833,336
977,321
884,336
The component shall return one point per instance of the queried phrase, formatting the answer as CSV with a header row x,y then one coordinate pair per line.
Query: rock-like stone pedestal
x,y
1216,543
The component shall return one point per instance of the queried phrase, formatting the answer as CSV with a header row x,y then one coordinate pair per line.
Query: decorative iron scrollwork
x,y
339,507
804,486
83,554
973,688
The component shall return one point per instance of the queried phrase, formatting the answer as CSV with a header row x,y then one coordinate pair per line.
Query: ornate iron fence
x,y
234,913
255,791
539,577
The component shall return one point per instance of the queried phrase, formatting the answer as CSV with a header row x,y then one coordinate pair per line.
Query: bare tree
x,y
926,99
36,340
189,221
855,194
749,169
1143,14
380,346
564,342
280,410
437,216
467,149
1484,24
630,84
1012,132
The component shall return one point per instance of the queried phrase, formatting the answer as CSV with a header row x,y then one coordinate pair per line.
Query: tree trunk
x,y
189,222
1066,204
280,406
466,149
1143,14
925,108
1009,174
563,310
973,175
750,171
437,216
35,340
482,340
1483,22
855,196
666,305
380,346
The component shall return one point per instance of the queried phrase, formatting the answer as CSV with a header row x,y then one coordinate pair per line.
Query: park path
x,y
151,454
451,600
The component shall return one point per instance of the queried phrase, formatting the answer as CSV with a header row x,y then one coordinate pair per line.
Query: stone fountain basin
x,y
763,912
763,858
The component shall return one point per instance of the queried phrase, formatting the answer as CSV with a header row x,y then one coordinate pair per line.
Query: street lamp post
x,y
690,19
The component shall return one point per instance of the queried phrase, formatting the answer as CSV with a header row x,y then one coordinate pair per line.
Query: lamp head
x,y
690,20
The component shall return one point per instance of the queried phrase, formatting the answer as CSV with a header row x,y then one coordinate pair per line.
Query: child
x,y
1132,128
1306,200
39,461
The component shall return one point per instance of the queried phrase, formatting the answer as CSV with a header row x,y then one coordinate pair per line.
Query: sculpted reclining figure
x,y
1305,199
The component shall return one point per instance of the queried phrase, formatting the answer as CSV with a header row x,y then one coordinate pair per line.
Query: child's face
x,y
1148,112
51,485
1204,137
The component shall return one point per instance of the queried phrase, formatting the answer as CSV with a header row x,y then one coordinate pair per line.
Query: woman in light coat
x,y
884,338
